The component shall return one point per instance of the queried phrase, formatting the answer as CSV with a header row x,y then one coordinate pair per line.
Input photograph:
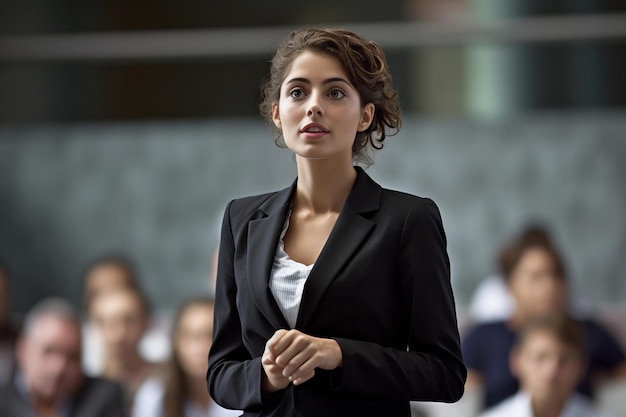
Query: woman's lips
x,y
314,130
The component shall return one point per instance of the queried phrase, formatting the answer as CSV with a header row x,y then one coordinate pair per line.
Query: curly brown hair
x,y
367,69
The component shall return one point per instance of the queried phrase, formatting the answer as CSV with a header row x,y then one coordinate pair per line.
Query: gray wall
x,y
156,191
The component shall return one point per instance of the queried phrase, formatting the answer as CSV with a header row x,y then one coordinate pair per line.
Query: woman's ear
x,y
367,115
276,116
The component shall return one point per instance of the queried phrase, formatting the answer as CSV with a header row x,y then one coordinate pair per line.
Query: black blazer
x,y
96,398
380,287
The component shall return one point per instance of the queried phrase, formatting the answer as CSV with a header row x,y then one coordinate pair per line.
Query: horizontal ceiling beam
x,y
261,41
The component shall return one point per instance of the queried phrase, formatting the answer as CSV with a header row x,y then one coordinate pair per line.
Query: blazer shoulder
x,y
259,205
250,203
401,200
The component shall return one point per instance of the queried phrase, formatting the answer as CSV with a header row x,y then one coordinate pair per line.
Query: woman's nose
x,y
315,107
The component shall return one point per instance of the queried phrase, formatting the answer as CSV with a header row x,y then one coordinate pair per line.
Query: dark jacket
x,y
96,398
380,287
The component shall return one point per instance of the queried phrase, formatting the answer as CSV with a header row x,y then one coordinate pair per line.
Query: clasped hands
x,y
292,356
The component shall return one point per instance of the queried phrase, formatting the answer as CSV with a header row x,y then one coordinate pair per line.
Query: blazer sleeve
x,y
234,377
431,368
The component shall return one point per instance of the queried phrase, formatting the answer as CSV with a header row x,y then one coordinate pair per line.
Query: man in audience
x,y
549,361
48,381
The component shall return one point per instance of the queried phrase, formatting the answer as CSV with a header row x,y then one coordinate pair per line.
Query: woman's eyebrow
x,y
326,81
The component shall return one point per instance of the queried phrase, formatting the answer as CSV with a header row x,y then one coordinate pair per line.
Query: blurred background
x,y
121,123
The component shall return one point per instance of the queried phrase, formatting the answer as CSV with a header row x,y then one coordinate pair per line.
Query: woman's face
x,y
319,111
535,284
193,339
106,277
121,320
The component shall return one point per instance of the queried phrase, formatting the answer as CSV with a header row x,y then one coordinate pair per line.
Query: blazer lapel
x,y
263,235
350,230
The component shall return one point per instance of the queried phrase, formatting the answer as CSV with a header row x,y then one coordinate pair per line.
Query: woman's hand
x,y
273,378
292,356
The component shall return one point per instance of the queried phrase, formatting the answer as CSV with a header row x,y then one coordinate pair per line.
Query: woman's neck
x,y
549,407
323,185
125,368
520,318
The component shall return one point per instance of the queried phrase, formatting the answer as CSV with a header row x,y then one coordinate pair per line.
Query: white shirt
x,y
287,280
519,406
149,403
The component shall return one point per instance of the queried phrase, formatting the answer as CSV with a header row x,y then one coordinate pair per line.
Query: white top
x,y
519,406
149,403
287,280
491,301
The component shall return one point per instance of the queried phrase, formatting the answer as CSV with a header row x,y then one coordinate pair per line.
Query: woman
x,y
536,278
121,317
333,295
100,276
182,393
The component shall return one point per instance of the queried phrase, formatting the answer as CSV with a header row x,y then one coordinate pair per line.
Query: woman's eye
x,y
296,93
336,94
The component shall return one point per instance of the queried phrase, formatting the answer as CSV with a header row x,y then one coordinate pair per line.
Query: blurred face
x,y
49,358
105,277
548,369
193,340
319,111
535,285
121,320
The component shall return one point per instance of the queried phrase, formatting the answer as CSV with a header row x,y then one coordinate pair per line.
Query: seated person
x,y
183,392
101,275
535,276
48,381
549,361
121,317
8,332
105,274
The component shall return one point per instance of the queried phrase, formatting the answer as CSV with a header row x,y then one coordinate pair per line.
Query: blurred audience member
x,y
549,361
108,273
121,316
48,380
536,278
8,331
492,301
183,392
101,275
